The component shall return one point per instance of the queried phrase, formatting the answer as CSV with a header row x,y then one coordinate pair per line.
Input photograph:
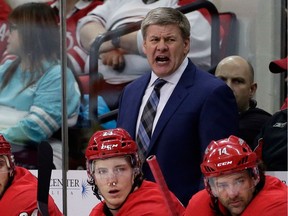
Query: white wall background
x,y
259,42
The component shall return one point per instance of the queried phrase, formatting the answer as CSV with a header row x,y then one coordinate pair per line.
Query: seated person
x,y
5,11
130,61
272,142
18,191
114,171
75,10
272,139
239,76
236,183
30,85
280,66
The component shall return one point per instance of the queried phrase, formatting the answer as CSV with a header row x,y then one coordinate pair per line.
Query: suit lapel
x,y
136,96
179,94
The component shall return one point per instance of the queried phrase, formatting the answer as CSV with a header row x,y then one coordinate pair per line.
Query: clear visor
x,y
232,183
103,173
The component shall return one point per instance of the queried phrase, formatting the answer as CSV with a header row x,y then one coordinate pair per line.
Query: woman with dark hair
x,y
74,10
5,11
30,85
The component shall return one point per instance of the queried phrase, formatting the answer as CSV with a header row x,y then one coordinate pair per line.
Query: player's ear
x,y
136,171
256,176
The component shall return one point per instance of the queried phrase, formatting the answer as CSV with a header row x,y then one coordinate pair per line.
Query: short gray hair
x,y
166,16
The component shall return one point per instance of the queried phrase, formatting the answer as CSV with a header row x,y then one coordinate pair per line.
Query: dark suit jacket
x,y
201,108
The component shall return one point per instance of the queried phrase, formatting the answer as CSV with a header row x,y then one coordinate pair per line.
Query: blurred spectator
x,y
18,191
75,10
114,172
194,106
105,18
239,76
272,139
15,3
30,86
236,183
5,11
280,66
124,67
76,57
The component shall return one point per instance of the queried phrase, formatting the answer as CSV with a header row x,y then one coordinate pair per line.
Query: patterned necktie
x,y
147,118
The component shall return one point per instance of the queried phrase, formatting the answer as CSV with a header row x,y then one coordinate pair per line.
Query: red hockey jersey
x,y
146,200
21,196
270,201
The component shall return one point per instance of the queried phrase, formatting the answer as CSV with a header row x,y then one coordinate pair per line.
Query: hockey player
x,y
18,187
114,171
236,184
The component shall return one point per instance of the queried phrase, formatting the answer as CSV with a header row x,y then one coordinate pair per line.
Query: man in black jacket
x,y
238,74
272,140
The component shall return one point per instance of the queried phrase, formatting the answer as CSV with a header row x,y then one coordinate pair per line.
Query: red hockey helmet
x,y
227,156
110,143
5,150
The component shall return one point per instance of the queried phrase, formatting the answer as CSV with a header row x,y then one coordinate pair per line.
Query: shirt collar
x,y
172,78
